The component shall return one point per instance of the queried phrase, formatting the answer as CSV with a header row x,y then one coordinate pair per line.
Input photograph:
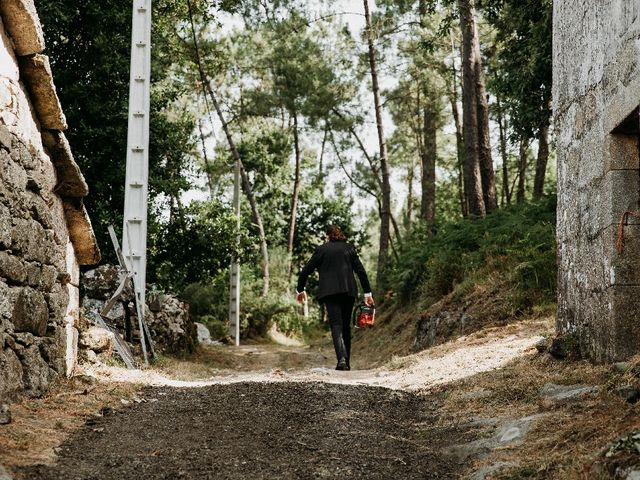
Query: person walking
x,y
336,261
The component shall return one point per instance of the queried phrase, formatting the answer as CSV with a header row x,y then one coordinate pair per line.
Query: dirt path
x,y
262,430
267,411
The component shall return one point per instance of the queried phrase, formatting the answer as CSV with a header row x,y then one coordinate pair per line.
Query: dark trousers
x,y
339,308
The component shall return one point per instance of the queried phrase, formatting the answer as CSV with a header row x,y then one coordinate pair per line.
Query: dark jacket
x,y
335,261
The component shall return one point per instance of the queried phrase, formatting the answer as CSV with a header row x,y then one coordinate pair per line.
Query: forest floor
x,y
483,406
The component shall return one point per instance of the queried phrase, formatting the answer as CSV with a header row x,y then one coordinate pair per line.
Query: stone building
x,y
596,92
45,233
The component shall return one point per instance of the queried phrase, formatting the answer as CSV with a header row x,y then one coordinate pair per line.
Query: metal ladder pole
x,y
234,277
134,231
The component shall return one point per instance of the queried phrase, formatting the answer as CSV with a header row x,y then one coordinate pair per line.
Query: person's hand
x,y
368,299
301,297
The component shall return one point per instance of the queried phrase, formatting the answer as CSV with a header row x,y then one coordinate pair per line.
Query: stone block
x,y
30,312
12,269
53,350
5,227
8,62
12,173
73,268
37,375
97,339
49,277
29,239
10,374
34,274
6,138
81,232
71,182
41,213
71,351
57,300
23,25
23,156
37,76
8,298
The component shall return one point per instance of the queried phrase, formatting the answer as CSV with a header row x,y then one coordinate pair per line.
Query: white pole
x,y
234,290
134,230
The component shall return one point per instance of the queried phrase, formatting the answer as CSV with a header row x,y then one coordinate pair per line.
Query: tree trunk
x,y
472,174
429,156
321,159
205,157
246,185
294,196
408,214
453,100
246,188
541,162
505,197
522,169
385,212
486,162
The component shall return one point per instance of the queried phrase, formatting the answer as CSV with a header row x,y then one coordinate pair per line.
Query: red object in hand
x,y
364,316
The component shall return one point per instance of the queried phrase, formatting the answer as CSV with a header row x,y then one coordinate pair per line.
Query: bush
x,y
517,242
209,303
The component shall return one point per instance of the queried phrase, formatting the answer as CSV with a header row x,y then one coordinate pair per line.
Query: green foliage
x,y
209,303
522,67
89,46
516,242
196,245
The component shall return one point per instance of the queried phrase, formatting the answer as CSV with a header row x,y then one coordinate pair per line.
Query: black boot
x,y
342,364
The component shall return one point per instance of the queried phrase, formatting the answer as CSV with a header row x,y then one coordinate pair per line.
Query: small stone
x,y
97,339
4,474
633,475
92,357
630,393
542,345
476,394
5,414
204,336
621,367
553,394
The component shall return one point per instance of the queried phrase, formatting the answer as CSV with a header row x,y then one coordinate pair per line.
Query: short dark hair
x,y
335,234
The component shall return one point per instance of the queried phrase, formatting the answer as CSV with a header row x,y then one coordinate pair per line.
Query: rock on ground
x,y
557,394
5,414
4,474
97,339
172,328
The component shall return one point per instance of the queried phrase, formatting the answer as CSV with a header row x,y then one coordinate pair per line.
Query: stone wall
x,y
44,231
171,327
596,92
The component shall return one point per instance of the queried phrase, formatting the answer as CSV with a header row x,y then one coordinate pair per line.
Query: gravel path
x,y
262,431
